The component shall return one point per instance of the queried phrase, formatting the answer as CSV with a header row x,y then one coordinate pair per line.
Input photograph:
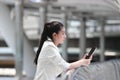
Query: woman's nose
x,y
65,36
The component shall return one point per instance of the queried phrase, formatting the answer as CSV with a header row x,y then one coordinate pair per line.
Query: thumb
x,y
85,55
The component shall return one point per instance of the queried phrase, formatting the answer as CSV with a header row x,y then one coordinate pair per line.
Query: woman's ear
x,y
54,34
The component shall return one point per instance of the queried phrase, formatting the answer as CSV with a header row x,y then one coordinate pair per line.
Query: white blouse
x,y
50,63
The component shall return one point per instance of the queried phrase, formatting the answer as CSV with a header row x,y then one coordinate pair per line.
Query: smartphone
x,y
90,53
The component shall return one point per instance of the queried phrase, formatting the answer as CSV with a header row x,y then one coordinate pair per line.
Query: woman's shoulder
x,y
49,49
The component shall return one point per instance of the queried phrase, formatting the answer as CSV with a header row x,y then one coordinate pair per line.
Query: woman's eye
x,y
63,33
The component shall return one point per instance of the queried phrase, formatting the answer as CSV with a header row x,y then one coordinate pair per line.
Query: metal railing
x,y
109,70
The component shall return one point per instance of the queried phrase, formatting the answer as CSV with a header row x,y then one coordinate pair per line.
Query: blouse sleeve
x,y
56,58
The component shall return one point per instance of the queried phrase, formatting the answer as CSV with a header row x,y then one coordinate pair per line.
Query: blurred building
x,y
88,23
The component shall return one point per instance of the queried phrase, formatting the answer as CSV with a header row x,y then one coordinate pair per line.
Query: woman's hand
x,y
84,61
81,62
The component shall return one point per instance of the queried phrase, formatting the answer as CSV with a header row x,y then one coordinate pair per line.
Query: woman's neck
x,y
56,44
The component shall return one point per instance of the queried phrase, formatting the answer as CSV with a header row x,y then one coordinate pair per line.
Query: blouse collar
x,y
49,39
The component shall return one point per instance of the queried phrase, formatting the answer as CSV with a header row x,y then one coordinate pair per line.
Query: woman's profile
x,y
48,59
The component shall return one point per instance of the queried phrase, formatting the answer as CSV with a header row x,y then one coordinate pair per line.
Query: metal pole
x,y
65,44
102,40
43,18
19,39
82,37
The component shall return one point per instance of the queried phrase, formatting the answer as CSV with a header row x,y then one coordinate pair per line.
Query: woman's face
x,y
60,37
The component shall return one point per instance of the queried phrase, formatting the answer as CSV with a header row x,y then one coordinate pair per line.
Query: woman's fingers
x,y
85,55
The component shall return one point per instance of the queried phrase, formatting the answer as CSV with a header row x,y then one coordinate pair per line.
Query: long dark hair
x,y
49,29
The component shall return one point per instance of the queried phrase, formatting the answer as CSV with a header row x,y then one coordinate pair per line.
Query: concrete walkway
x,y
12,78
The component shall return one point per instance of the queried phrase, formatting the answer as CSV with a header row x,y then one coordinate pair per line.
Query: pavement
x,y
12,78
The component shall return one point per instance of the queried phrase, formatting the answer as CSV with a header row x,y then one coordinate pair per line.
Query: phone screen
x,y
91,52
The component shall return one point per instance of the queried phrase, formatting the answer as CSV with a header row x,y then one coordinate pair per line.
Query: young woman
x,y
48,59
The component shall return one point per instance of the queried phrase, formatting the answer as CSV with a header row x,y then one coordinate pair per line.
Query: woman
x,y
48,59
